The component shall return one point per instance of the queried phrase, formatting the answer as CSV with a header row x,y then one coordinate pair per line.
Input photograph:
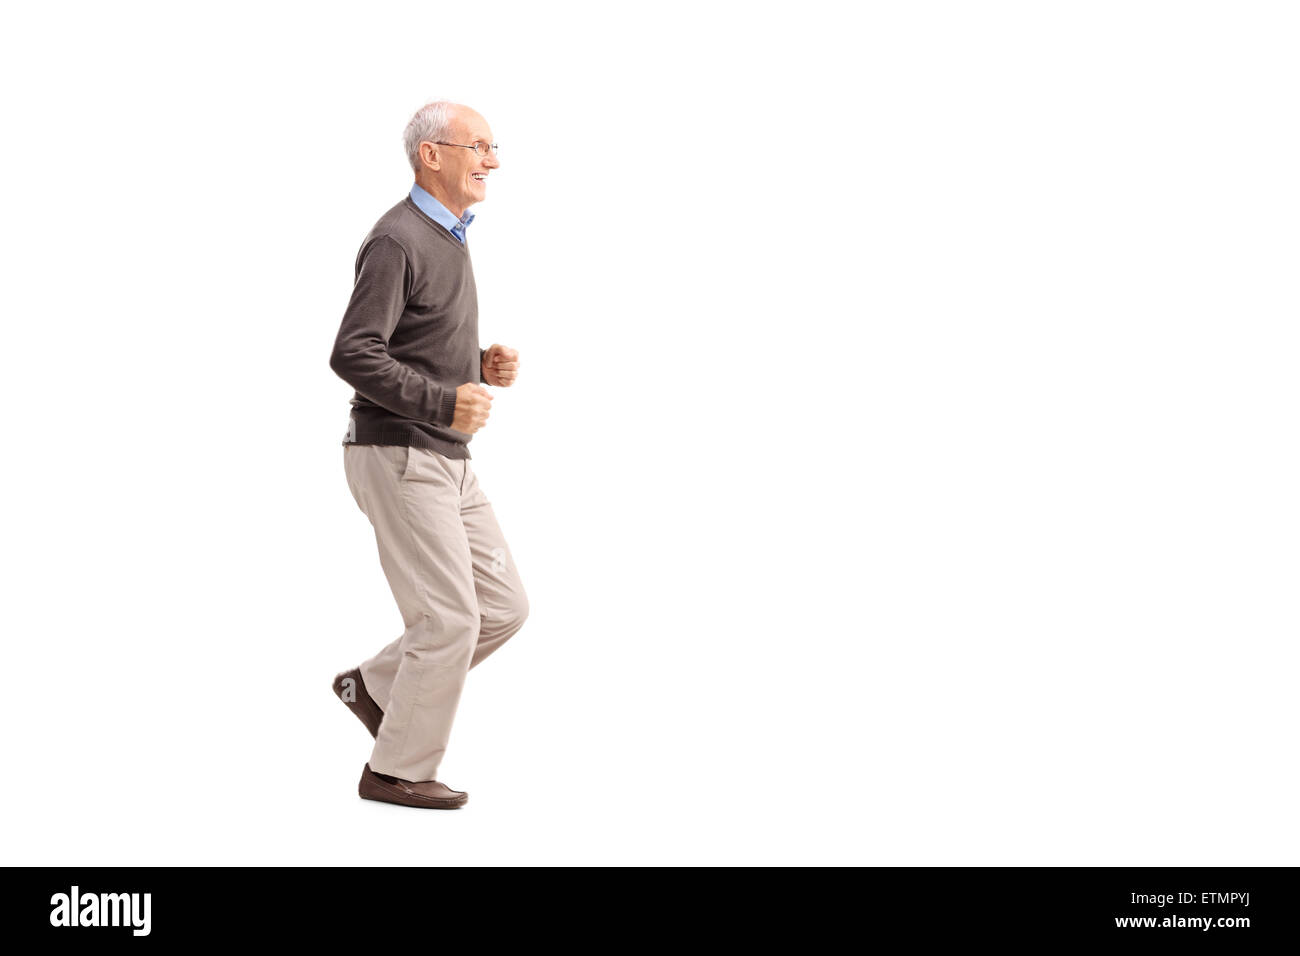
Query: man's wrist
x,y
446,408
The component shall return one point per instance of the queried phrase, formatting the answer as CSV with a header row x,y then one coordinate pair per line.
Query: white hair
x,y
431,123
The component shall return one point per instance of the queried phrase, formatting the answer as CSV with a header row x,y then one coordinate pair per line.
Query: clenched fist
x,y
500,365
473,403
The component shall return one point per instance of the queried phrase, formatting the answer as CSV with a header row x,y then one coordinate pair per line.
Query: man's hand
x,y
500,366
473,403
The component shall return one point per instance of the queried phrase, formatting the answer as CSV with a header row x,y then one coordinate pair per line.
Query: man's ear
x,y
429,158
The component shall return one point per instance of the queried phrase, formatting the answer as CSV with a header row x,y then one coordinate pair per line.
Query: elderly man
x,y
408,344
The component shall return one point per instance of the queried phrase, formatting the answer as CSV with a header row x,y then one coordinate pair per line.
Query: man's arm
x,y
360,355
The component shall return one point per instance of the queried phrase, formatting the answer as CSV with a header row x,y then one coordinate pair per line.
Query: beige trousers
x,y
455,583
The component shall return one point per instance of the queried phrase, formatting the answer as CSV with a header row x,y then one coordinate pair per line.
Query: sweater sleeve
x,y
360,355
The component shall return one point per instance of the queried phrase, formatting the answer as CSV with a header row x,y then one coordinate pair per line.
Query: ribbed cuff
x,y
446,408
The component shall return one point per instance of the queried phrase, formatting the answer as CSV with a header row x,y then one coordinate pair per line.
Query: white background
x,y
903,467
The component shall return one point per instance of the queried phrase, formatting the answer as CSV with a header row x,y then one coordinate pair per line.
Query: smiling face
x,y
458,177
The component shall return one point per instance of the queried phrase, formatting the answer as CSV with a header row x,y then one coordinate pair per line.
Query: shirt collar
x,y
439,213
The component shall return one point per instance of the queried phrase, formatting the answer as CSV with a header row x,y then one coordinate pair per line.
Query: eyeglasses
x,y
480,147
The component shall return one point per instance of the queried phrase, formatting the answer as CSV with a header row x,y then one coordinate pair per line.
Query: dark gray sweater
x,y
409,336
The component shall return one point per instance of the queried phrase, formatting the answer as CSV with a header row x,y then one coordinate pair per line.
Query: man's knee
x,y
509,616
518,610
444,633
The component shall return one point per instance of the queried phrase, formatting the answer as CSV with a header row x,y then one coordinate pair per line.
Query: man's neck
x,y
436,191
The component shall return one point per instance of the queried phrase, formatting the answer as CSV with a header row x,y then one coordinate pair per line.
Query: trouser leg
x,y
413,499
502,602
379,672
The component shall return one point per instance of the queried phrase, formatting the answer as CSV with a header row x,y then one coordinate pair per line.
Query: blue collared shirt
x,y
440,213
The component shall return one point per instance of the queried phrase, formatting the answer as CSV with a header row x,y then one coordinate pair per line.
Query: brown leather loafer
x,y
361,703
429,794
